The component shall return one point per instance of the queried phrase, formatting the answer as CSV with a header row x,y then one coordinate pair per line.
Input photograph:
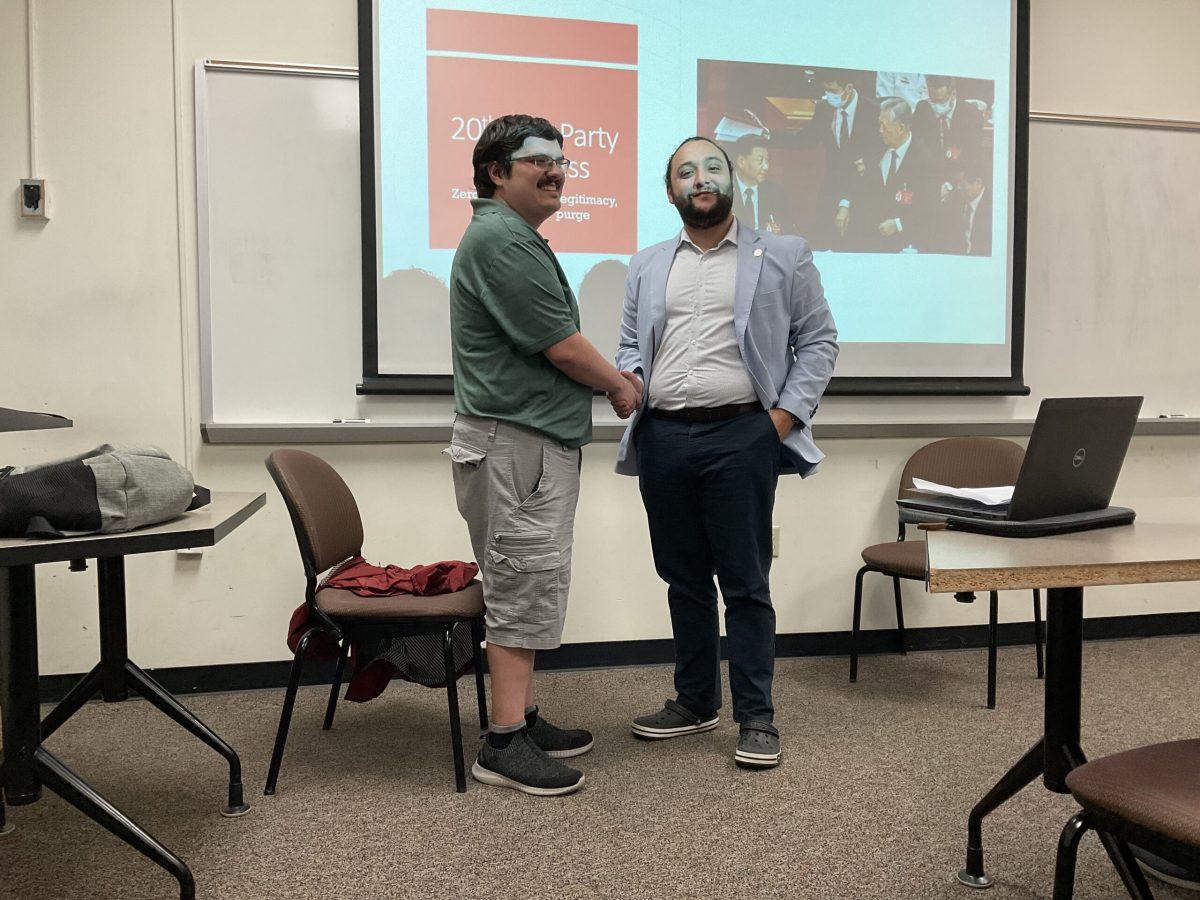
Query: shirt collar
x,y
852,105
730,237
483,205
902,150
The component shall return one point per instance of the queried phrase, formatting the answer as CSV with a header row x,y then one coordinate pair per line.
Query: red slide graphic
x,y
595,107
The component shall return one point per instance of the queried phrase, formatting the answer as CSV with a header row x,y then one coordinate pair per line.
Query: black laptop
x,y
1067,477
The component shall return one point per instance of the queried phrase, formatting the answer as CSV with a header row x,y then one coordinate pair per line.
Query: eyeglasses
x,y
543,162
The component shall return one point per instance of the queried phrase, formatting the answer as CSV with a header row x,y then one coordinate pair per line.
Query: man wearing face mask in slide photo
x,y
727,331
846,124
951,128
523,380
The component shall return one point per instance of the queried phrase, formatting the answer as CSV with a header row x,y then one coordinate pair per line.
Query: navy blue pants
x,y
709,491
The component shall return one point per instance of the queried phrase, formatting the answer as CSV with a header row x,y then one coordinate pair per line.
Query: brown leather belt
x,y
706,414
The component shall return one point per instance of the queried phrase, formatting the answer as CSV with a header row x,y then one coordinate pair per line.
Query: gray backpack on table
x,y
107,490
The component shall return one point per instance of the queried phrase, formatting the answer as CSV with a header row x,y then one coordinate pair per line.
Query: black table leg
x,y
1026,770
81,693
19,683
162,700
1058,752
1064,685
114,639
56,776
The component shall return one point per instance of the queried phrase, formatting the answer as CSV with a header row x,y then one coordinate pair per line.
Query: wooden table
x,y
1142,553
27,765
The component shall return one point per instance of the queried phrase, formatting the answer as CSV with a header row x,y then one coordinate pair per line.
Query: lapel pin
x,y
758,252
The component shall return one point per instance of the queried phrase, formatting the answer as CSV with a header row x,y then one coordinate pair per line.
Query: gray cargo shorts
x,y
517,489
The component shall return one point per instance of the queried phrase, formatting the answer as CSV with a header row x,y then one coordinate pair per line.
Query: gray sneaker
x,y
758,746
525,767
673,720
560,743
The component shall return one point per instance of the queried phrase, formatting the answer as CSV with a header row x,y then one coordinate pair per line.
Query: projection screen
x,y
923,263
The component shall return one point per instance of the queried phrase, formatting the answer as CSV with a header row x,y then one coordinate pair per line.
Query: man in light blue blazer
x,y
726,333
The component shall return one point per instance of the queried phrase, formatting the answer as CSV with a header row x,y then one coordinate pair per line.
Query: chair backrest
x,y
324,514
964,462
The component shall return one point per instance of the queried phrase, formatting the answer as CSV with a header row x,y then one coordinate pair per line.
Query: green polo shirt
x,y
509,301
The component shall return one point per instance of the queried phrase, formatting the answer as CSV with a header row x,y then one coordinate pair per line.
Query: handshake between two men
x,y
628,398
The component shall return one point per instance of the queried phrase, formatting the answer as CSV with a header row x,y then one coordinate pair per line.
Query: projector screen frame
x,y
375,383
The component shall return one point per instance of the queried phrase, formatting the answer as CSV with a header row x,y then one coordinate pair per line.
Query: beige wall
x,y
98,312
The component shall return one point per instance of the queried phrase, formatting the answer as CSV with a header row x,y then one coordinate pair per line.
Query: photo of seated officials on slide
x,y
855,160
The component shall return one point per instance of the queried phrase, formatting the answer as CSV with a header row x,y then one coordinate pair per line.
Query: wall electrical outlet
x,y
32,198
774,540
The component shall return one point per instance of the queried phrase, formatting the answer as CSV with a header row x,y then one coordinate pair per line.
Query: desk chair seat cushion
x,y
1156,787
464,604
903,558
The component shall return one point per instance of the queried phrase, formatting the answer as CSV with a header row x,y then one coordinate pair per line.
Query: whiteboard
x,y
1112,289
277,198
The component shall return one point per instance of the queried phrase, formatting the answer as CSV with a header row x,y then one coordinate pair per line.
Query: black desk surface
x,y
199,528
18,420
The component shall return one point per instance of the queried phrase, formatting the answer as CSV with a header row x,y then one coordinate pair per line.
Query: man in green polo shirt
x,y
523,382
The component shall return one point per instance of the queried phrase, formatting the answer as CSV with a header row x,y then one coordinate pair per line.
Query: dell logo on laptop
x,y
1079,457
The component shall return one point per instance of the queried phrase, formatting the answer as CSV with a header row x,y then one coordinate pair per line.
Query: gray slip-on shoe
x,y
560,743
525,767
673,720
758,745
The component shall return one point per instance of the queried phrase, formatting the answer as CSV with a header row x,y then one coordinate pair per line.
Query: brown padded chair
x,y
329,530
960,462
1149,797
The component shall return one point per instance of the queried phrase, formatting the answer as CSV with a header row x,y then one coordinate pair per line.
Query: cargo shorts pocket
x,y
470,440
523,570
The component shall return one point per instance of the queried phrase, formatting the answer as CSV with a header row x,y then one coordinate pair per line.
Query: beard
x,y
698,218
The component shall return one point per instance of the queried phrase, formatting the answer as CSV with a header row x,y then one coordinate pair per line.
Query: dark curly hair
x,y
502,137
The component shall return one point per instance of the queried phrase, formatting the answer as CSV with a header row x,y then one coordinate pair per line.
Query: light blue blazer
x,y
784,330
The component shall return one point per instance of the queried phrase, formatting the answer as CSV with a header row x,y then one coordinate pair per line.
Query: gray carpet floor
x,y
870,802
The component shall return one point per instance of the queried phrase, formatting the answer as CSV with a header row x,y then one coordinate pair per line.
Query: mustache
x,y
707,187
552,179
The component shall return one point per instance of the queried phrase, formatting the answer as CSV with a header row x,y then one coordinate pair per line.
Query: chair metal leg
x,y
993,615
858,582
460,774
58,778
162,700
899,615
1037,632
337,684
480,693
285,716
1126,866
1068,848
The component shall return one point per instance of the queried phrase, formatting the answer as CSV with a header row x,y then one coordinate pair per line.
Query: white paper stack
x,y
989,496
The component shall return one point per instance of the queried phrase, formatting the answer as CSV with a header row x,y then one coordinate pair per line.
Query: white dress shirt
x,y
848,111
885,164
698,362
752,204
